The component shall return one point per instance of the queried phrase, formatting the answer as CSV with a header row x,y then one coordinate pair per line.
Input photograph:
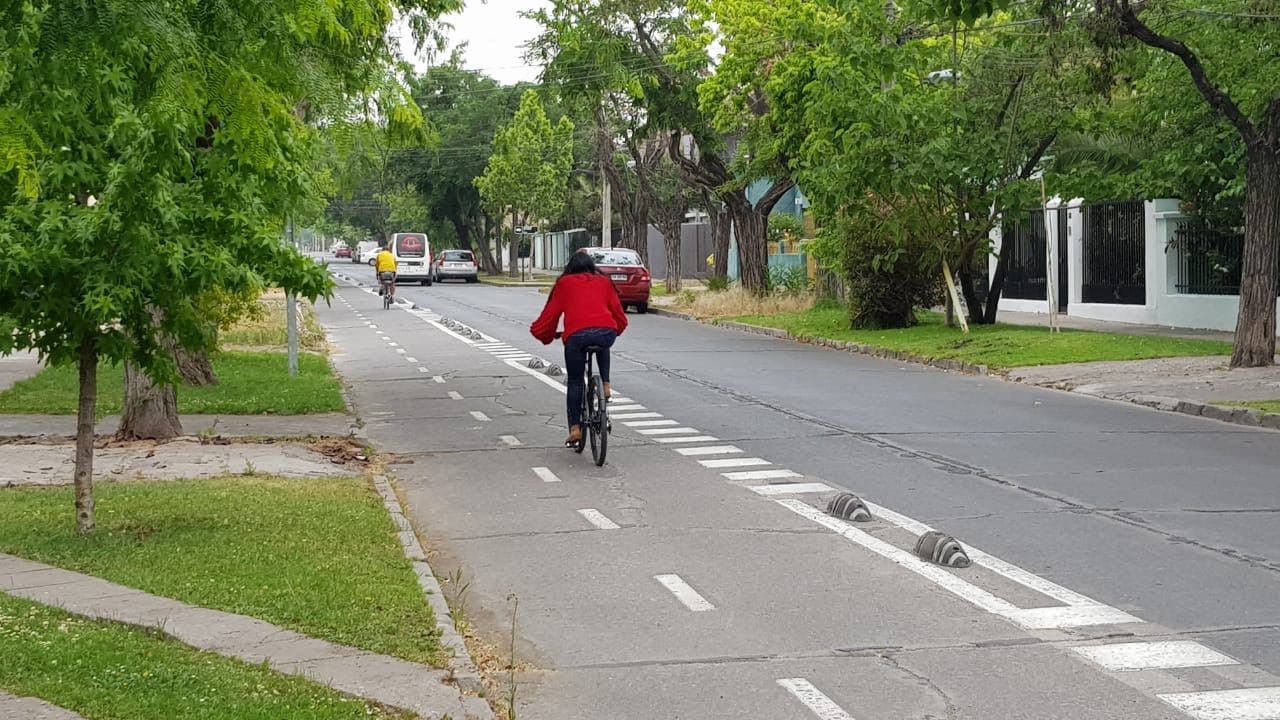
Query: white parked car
x,y
366,252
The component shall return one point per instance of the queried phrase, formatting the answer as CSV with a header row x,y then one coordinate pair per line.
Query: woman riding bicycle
x,y
593,316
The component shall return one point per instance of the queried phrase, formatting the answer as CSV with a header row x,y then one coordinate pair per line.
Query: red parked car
x,y
343,252
628,273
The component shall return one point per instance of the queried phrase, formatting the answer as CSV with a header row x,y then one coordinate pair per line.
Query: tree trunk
x,y
991,312
720,237
671,241
976,315
753,250
150,410
86,415
1255,341
513,257
195,369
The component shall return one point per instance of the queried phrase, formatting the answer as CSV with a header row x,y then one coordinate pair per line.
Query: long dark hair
x,y
580,262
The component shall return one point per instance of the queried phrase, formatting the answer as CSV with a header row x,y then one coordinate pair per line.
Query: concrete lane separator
x,y
463,666
823,707
1039,618
598,519
685,593
546,475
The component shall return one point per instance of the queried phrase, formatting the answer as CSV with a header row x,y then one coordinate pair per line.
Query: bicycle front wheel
x,y
598,422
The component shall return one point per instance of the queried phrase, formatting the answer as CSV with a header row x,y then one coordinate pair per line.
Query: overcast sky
x,y
495,34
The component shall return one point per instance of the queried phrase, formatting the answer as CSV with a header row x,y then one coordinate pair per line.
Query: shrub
x,y
718,284
788,279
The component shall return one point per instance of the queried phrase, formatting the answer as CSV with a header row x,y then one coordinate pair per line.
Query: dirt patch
x,y
51,461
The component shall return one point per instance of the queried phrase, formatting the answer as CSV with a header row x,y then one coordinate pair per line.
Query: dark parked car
x,y
628,273
455,265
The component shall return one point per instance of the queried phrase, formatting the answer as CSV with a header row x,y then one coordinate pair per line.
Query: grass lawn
x,y
266,329
249,383
317,556
995,346
107,670
1267,406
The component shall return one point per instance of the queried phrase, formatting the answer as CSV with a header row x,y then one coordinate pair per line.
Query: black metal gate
x,y
1025,277
1064,276
1113,246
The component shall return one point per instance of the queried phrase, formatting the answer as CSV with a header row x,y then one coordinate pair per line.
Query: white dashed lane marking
x,y
1246,704
597,518
423,370
546,474
709,450
455,395
669,431
649,423
762,475
512,440
684,593
813,698
790,489
633,416
479,416
734,462
1133,656
413,360
688,439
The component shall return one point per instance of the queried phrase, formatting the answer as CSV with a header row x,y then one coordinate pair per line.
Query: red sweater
x,y
585,301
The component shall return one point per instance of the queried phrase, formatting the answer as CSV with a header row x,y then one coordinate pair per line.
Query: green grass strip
x,y
997,346
108,670
316,556
249,383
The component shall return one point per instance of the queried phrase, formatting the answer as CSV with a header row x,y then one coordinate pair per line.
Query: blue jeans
x,y
575,364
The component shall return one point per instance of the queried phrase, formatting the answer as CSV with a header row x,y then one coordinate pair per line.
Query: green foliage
x,y
529,169
788,279
718,284
888,268
247,546
785,227
249,383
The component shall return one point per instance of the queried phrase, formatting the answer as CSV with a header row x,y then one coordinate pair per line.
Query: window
x,y
411,245
457,256
616,257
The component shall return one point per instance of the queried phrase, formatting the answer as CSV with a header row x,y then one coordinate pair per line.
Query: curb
x,y
1222,413
663,312
464,668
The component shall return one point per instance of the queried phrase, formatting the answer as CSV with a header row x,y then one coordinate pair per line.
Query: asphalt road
x,y
1152,536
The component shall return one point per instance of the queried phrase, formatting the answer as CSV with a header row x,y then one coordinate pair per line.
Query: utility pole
x,y
606,210
291,312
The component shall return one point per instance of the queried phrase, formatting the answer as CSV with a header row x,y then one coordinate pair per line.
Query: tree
x,y
528,173
1229,58
655,55
159,148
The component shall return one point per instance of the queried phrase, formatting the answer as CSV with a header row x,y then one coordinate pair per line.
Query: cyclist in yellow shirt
x,y
386,267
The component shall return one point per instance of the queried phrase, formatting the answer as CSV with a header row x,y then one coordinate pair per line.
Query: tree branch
x,y
1217,99
1034,159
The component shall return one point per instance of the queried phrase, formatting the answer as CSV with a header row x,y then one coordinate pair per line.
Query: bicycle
x,y
388,292
595,411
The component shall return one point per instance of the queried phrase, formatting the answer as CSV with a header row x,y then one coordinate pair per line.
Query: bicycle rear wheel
x,y
598,424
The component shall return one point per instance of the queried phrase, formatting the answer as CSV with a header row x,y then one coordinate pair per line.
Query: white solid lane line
x,y
633,416
597,518
790,489
684,593
649,423
711,450
686,439
1247,704
819,704
670,431
512,440
734,462
546,474
455,395
762,475
1132,656
537,376
479,416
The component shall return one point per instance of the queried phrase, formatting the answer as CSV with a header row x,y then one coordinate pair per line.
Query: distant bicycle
x,y
388,293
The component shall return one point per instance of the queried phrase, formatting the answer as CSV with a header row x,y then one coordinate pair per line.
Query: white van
x,y
413,257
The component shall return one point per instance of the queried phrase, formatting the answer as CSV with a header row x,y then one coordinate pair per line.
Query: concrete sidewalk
x,y
18,367
26,708
241,426
1078,323
387,680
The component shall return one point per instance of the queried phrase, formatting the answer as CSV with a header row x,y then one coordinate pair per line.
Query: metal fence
x,y
1113,258
1208,260
1025,277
